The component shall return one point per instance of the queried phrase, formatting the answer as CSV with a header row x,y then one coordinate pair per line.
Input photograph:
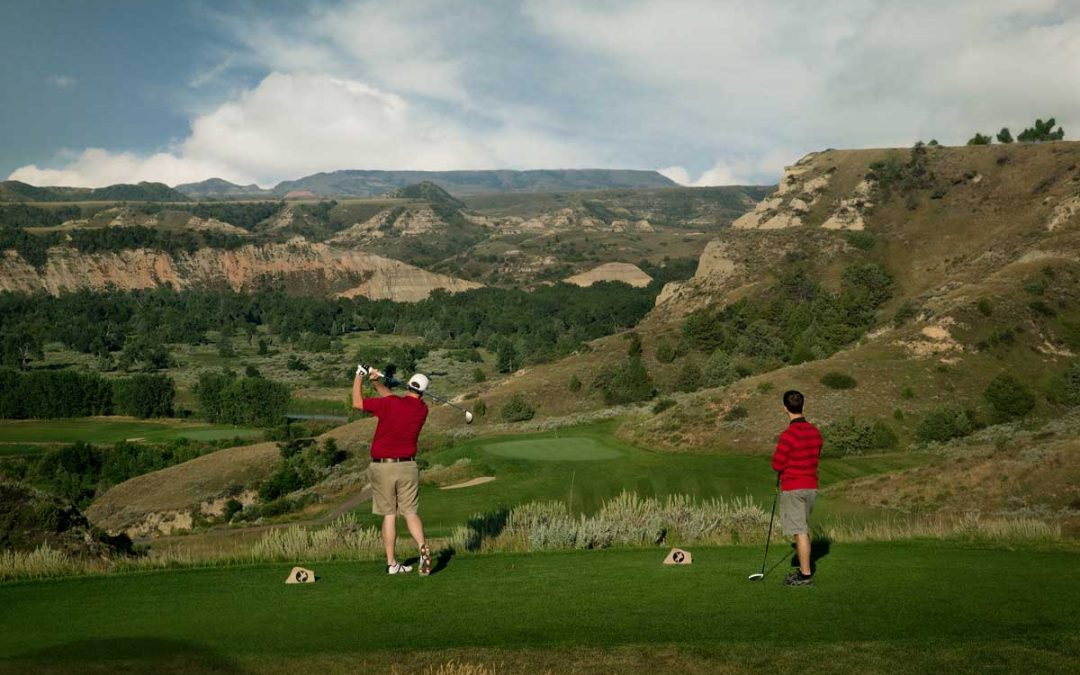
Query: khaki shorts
x,y
795,509
395,488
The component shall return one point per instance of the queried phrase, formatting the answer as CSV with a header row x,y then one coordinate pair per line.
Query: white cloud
x,y
716,90
746,78
61,81
293,125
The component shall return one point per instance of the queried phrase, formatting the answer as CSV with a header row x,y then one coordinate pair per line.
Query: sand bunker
x,y
469,483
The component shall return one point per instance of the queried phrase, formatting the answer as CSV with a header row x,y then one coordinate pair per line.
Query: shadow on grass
x,y
819,548
165,655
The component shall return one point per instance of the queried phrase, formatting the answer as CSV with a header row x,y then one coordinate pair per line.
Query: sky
x,y
709,92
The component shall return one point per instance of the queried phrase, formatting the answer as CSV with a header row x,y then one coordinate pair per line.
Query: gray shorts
x,y
795,509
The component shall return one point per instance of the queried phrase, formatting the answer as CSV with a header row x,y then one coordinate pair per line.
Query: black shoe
x,y
798,579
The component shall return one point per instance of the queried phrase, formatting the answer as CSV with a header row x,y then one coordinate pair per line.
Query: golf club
x,y
758,576
388,378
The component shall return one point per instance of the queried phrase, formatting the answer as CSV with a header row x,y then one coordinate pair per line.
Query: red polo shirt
x,y
796,456
400,421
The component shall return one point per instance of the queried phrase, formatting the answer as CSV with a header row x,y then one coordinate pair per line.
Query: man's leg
x,y
802,547
416,528
389,537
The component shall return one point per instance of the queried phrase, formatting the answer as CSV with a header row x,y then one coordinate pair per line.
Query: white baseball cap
x,y
419,383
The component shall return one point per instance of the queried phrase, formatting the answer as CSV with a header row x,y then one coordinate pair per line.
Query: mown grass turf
x,y
585,485
922,603
113,429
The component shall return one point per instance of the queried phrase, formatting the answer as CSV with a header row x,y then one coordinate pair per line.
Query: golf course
x,y
540,337
877,607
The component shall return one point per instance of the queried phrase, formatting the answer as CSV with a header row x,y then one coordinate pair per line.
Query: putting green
x,y
570,449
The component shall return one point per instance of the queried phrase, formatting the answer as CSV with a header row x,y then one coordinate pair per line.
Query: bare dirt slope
x,y
624,272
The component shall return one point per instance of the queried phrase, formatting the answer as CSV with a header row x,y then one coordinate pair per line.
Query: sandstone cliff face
x,y
398,222
804,185
624,272
302,267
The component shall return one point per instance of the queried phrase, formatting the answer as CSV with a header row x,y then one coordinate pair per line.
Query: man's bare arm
x,y
377,381
357,393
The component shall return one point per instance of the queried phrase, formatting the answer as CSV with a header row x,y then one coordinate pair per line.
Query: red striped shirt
x,y
796,456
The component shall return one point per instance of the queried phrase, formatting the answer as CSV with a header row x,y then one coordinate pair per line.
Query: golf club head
x,y
756,576
468,417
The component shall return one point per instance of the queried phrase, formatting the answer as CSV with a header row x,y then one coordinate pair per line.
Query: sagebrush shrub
x,y
835,380
517,410
857,437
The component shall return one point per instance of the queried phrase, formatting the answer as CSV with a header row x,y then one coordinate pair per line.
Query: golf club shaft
x,y
440,399
768,537
391,383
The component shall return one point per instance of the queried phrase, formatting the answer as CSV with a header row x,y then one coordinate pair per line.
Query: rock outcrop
x,y
302,267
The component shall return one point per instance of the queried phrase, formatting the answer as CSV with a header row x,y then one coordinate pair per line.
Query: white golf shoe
x,y
398,568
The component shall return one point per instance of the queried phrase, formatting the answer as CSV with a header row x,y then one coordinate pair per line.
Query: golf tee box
x,y
300,575
677,556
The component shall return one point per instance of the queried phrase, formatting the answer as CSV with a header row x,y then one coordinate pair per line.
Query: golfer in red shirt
x,y
796,459
393,473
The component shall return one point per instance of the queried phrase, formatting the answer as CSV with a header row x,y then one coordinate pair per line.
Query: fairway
x,y
942,605
546,467
114,429
571,449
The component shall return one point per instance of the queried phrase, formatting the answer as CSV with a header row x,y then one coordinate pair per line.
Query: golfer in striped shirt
x,y
796,459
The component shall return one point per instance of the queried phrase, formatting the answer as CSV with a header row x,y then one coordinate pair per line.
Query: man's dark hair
x,y
793,401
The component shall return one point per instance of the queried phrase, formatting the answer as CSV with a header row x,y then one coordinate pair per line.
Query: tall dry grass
x,y
626,520
343,539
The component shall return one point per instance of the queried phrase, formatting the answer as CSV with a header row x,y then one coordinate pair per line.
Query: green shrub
x,y
905,312
737,412
517,410
980,139
478,375
944,424
835,380
1065,388
232,507
907,393
1042,309
689,378
985,308
765,387
628,382
857,437
479,408
861,239
633,349
662,405
575,383
1008,398
666,351
719,370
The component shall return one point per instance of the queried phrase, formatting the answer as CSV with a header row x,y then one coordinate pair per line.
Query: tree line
x,y
66,393
541,325
34,248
